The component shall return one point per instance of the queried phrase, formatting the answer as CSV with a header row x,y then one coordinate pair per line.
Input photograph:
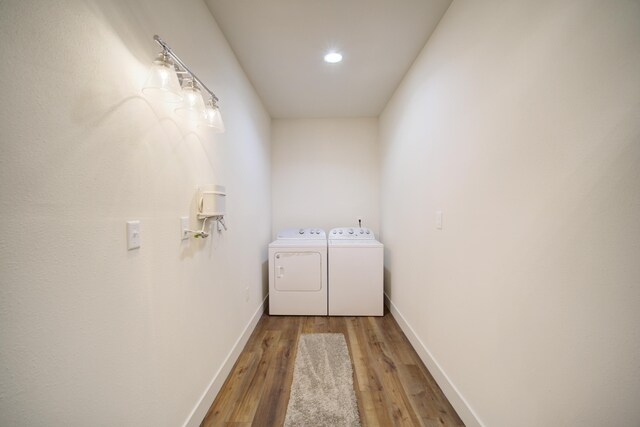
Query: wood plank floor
x,y
393,387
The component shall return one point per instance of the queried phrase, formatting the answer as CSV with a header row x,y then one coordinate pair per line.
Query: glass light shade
x,y
192,106
163,81
213,118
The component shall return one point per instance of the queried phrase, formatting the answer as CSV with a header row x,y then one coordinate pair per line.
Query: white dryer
x,y
355,273
298,272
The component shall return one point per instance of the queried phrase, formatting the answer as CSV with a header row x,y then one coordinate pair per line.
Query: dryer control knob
x,y
361,231
351,231
368,232
340,231
301,231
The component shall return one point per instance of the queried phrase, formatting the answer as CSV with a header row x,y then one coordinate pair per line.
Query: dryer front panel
x,y
298,271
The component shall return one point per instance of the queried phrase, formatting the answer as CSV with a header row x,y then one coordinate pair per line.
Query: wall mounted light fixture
x,y
171,78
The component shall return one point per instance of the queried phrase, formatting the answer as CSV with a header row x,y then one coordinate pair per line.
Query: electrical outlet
x,y
184,226
133,235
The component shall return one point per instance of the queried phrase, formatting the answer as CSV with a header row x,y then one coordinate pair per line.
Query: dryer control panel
x,y
351,233
302,233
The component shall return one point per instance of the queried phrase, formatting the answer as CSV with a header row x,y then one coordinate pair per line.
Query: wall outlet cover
x,y
184,226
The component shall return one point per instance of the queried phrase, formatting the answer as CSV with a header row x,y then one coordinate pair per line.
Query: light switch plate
x,y
133,235
439,220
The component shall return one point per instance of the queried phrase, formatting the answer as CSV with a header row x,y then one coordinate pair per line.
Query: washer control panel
x,y
302,233
351,233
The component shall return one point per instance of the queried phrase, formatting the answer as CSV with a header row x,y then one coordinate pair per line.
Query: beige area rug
x,y
322,390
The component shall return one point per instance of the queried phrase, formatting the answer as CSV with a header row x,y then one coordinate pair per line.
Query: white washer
x,y
298,272
355,273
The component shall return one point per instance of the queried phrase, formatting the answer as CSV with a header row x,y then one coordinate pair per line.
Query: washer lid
x,y
312,233
351,233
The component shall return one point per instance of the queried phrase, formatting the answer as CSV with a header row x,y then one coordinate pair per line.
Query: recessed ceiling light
x,y
332,57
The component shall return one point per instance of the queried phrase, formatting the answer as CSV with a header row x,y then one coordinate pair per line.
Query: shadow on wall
x,y
91,142
265,282
387,282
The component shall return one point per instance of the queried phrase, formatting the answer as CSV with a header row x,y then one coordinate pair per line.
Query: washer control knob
x,y
334,231
361,231
301,231
340,231
368,232
351,231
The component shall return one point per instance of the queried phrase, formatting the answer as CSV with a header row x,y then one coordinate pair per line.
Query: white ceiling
x,y
281,44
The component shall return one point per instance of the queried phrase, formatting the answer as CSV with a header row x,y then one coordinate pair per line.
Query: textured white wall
x,y
521,122
92,334
325,173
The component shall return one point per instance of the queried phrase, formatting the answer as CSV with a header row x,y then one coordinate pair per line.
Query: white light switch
x,y
184,226
133,235
439,220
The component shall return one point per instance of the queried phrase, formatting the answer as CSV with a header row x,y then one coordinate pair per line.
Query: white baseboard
x,y
200,410
462,407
